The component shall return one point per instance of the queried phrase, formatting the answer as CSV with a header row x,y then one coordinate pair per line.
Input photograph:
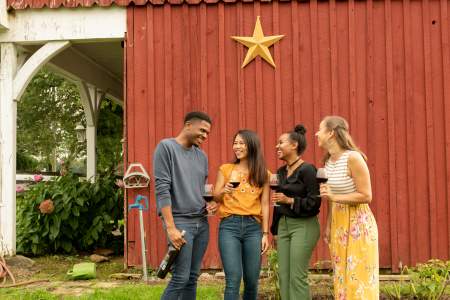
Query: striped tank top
x,y
337,172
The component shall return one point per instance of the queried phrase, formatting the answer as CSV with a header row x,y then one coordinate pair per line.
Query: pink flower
x,y
355,232
20,188
341,295
343,237
46,206
336,259
38,178
363,218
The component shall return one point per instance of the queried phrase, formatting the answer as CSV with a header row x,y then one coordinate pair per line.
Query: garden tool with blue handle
x,y
141,203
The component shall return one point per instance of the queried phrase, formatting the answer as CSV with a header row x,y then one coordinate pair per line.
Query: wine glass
x,y
208,194
274,184
235,179
321,176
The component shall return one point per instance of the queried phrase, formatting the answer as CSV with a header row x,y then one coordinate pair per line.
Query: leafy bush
x,y
427,281
430,279
25,162
272,273
82,217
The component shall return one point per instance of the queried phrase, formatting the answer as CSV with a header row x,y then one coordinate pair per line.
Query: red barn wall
x,y
384,65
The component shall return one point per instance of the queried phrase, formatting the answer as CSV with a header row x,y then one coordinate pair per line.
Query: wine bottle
x,y
168,260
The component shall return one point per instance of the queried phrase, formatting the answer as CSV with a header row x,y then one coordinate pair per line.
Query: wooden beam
x,y
34,64
77,68
35,26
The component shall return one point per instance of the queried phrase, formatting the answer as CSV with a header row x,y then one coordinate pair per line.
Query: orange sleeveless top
x,y
244,201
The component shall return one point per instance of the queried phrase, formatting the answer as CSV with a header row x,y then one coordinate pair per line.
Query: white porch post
x,y
13,81
91,164
8,114
3,15
91,98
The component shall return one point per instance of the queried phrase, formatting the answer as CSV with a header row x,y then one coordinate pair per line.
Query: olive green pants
x,y
297,238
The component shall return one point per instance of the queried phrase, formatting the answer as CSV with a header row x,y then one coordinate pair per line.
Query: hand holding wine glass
x,y
209,197
232,183
273,182
321,175
235,179
274,185
321,178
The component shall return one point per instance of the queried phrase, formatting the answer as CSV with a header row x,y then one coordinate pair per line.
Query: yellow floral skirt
x,y
354,252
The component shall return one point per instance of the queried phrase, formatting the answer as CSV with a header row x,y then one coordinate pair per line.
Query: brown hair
x,y
256,164
340,128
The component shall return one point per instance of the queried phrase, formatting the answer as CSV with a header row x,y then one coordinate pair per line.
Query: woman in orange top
x,y
243,211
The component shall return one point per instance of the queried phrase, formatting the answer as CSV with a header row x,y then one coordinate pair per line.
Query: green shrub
x,y
79,215
430,279
427,281
25,162
272,273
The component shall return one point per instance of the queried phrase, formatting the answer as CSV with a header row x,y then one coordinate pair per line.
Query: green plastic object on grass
x,y
82,271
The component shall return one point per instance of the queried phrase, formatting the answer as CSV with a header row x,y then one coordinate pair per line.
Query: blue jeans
x,y
186,268
240,251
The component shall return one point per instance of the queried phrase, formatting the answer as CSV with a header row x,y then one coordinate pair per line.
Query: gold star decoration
x,y
258,44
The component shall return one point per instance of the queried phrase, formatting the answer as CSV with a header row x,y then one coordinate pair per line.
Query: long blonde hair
x,y
339,126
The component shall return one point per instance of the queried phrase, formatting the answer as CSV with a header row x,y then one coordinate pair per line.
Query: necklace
x,y
290,165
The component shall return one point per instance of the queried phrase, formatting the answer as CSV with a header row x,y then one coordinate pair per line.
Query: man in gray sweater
x,y
180,168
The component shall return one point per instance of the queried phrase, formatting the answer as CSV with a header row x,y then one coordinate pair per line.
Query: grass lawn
x,y
129,291
54,268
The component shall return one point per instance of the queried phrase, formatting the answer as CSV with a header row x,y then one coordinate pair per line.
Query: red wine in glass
x,y
321,180
274,184
321,176
235,184
208,198
273,187
235,179
208,195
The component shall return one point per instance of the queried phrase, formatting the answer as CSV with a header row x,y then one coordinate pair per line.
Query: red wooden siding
x,y
384,65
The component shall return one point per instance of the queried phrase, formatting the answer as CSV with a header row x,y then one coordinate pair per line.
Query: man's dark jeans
x,y
186,268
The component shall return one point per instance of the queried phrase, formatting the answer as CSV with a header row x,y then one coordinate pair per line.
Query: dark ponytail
x,y
298,136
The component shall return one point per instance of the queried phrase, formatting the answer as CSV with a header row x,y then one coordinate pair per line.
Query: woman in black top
x,y
295,220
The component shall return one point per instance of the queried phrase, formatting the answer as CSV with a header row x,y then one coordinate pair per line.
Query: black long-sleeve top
x,y
303,187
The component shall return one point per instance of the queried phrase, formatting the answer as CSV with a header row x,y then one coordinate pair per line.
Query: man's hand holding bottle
x,y
175,237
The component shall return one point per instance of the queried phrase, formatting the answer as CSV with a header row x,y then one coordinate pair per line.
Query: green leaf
x,y
65,214
96,220
94,235
73,222
67,246
35,239
76,211
80,200
35,249
54,227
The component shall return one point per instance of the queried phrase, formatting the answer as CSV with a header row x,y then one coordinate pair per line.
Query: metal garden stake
x,y
141,206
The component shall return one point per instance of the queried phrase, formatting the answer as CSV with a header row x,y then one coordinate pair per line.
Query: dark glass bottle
x,y
169,259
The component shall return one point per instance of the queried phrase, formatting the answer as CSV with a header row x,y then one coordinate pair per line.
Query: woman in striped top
x,y
351,229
